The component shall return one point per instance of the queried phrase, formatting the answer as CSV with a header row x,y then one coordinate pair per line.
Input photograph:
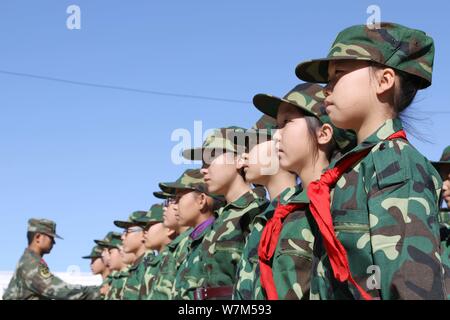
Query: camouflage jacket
x,y
385,214
171,259
32,280
135,279
151,270
292,260
222,247
445,247
117,285
190,275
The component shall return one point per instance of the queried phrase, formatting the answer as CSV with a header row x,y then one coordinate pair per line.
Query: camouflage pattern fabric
x,y
190,274
150,273
32,280
117,284
135,279
391,45
172,257
222,247
292,260
385,214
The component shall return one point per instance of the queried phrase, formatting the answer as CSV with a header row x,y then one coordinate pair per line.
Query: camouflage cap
x,y
443,165
95,253
45,226
137,218
308,97
391,45
155,214
111,240
191,179
262,131
229,139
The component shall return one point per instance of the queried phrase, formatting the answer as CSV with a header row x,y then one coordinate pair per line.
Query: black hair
x,y
313,125
30,236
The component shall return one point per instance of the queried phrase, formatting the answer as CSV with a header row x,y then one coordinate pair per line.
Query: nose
x,y
204,171
277,136
328,89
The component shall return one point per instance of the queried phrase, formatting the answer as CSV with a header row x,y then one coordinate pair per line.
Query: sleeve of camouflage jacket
x,y
292,262
404,233
44,283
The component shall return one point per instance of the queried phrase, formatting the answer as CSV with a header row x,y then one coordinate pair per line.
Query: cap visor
x,y
316,70
161,195
443,168
269,105
123,224
168,187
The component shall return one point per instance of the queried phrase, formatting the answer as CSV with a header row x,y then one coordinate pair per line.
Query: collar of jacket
x,y
388,128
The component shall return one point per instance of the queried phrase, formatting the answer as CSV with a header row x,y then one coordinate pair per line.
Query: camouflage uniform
x,y
177,250
443,167
292,261
385,207
222,247
136,272
119,279
171,259
32,279
116,280
152,260
190,274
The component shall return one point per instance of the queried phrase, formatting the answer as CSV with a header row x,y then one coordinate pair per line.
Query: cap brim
x,y
193,154
443,168
168,187
54,235
161,195
316,70
123,224
269,105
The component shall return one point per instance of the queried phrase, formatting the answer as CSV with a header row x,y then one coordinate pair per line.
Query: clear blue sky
x,y
85,156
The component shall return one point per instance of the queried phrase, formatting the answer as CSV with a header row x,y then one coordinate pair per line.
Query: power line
x,y
128,89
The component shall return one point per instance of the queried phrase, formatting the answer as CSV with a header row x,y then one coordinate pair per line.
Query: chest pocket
x,y
386,160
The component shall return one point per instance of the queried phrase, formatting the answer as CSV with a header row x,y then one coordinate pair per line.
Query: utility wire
x,y
105,86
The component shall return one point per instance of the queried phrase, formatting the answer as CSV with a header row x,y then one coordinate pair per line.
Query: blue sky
x,y
86,155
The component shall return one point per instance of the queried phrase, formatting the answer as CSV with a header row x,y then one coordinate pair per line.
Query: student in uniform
x,y
377,206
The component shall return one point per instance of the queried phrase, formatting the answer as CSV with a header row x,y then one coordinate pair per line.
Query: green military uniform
x,y
96,253
176,251
155,215
292,261
32,279
171,259
136,271
443,167
105,243
117,278
191,274
222,246
385,207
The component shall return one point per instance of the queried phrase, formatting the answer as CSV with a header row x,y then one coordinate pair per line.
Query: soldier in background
x,y
32,279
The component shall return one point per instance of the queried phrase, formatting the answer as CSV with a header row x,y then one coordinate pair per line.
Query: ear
x,y
385,80
201,200
325,134
239,161
170,233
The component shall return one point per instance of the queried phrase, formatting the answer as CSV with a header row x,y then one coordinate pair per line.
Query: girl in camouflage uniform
x,y
283,244
379,222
